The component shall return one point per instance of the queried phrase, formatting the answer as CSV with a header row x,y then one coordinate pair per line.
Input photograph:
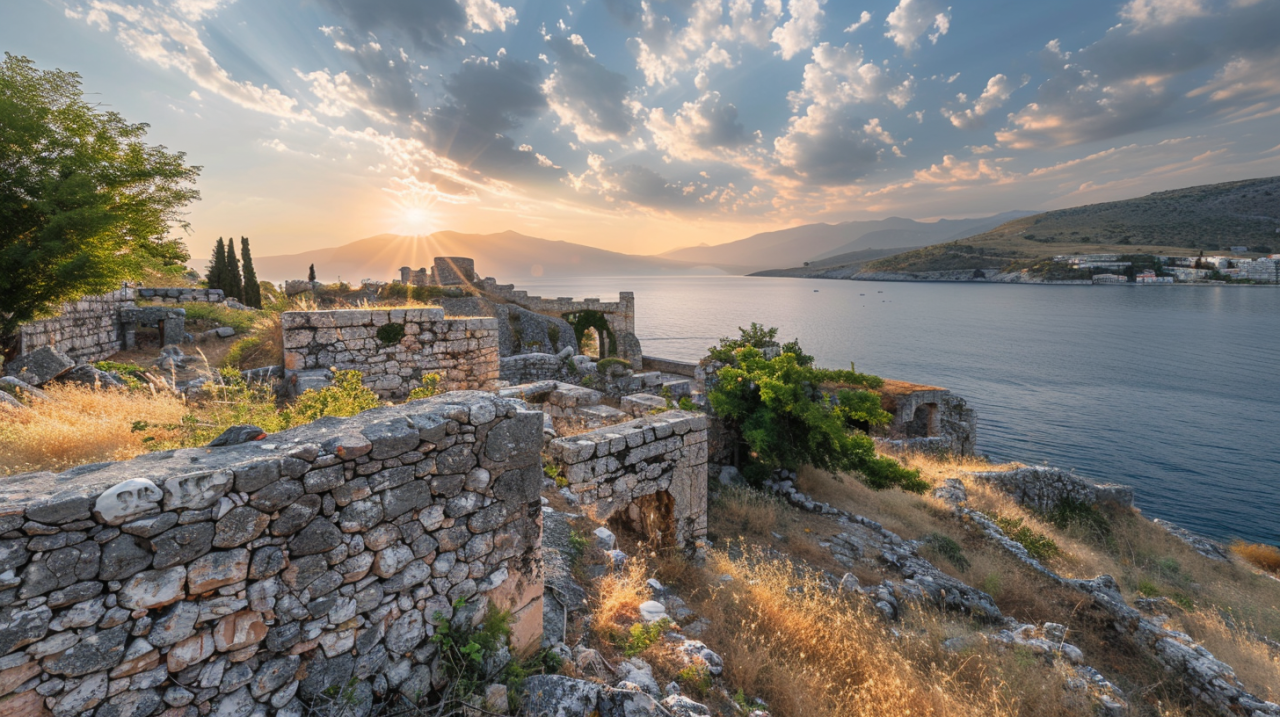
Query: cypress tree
x,y
217,266
235,284
252,292
311,274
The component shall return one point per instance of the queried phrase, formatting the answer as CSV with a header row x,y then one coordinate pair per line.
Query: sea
x,y
1174,390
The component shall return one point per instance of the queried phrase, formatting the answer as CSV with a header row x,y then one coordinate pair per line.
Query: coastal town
x,y
1156,269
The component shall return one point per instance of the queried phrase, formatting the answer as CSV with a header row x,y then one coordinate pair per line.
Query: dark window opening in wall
x,y
922,421
651,516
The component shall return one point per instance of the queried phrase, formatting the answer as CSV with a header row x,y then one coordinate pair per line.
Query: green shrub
x,y
1038,545
240,350
786,421
604,364
1070,512
346,396
948,549
463,652
641,637
395,291
430,387
552,471
391,333
553,334
686,404
695,679
211,316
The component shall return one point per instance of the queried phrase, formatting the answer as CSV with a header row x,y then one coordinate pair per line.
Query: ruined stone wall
x,y
182,295
671,366
620,314
927,412
1043,488
650,473
251,579
86,330
463,351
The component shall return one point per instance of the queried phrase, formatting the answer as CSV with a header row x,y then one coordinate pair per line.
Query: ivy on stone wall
x,y
592,319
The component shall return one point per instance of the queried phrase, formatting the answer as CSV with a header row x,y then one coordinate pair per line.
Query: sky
x,y
641,126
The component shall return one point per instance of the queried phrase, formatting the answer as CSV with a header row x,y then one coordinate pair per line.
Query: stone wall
x,y
250,579
463,351
620,314
671,366
649,474
86,330
1043,488
928,412
182,295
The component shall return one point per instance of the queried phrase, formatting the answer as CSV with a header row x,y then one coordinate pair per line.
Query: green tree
x,y
234,282
311,273
790,415
217,266
252,291
84,202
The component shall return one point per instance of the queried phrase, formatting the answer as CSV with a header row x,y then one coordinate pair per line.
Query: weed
x,y
430,387
391,333
641,637
346,396
695,679
686,404
1069,512
991,585
1259,555
202,315
948,549
1038,545
552,470
577,546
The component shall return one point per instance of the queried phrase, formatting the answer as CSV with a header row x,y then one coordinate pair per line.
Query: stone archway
x,y
923,421
591,319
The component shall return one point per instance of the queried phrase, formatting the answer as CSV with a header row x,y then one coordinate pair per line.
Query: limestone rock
x,y
239,526
40,366
181,545
216,569
238,631
154,588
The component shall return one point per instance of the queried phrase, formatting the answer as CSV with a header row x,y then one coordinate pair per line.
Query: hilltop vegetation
x,y
1178,222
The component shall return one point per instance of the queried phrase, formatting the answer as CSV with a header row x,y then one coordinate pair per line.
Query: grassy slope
x,y
1178,222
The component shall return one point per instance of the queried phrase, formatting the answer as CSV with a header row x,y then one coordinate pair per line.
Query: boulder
x,y
86,375
40,366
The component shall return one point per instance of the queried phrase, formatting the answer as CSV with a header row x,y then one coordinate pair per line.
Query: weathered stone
x,y
216,569
392,560
235,677
40,366
75,593
131,703
274,674
124,557
100,651
321,674
13,677
406,498
323,480
361,515
267,561
83,612
127,500
296,516
237,704
406,633
154,588
61,508
13,554
196,490
182,544
60,569
150,527
257,475
239,631
83,697
318,537
277,495
175,625
239,526
139,657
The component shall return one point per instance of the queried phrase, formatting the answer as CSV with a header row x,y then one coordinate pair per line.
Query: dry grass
x,y
808,651
263,346
741,511
615,606
1259,555
1255,663
79,425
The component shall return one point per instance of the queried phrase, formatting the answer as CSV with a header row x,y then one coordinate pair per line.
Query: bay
x,y
1174,390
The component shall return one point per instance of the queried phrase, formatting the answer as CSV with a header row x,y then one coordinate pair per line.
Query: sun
x,y
416,220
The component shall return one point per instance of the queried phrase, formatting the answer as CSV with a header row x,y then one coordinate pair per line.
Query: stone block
x,y
40,366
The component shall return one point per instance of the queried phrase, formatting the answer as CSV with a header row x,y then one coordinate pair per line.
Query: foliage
x,y
311,273
426,293
262,346
793,347
577,546
130,373
430,387
756,337
948,549
391,333
553,335
1038,545
395,291
686,404
346,396
463,652
641,637
603,365
252,291
1070,512
786,421
213,315
696,679
552,470
84,202
592,319
232,281
216,276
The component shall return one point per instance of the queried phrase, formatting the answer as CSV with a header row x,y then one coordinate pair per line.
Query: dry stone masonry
x,y
86,330
182,295
649,474
248,580
393,348
1043,487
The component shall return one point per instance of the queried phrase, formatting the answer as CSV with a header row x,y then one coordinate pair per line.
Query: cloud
x,y
830,146
997,91
1147,13
633,186
705,129
488,16
913,18
172,42
588,98
801,30
663,51
841,75
954,171
383,91
1243,79
430,25
862,20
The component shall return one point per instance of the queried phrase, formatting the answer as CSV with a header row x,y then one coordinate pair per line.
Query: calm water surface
x,y
1174,390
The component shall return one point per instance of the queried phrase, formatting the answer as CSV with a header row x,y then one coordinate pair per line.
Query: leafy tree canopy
x,y
84,202
788,417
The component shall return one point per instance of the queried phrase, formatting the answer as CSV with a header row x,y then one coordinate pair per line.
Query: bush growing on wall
x,y
787,421
390,333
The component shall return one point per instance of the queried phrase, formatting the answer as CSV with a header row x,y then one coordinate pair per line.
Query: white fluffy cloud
x,y
913,18
1149,13
488,15
841,75
705,129
586,96
993,96
801,30
862,20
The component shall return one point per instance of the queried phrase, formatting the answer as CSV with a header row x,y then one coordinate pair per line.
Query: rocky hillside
x,y
1181,221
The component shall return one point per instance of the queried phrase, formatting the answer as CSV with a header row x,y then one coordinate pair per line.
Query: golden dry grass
x,y
808,651
1260,555
1255,663
79,425
263,346
616,602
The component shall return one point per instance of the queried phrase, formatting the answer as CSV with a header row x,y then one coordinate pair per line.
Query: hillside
x,y
1178,222
508,256
810,242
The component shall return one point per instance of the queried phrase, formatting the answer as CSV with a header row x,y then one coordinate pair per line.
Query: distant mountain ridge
x,y
508,256
813,242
